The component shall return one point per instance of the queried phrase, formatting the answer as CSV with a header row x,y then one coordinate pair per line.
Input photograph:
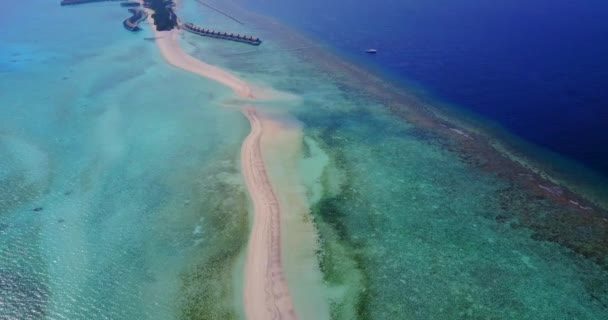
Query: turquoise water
x,y
121,196
124,156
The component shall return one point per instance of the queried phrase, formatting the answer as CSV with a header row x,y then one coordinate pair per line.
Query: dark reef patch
x,y
352,246
585,234
207,291
341,258
573,212
340,262
15,191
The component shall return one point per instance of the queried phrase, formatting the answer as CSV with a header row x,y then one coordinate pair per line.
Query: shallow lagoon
x,y
144,214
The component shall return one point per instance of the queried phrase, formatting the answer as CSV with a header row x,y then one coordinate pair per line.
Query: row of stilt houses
x,y
124,3
220,34
73,2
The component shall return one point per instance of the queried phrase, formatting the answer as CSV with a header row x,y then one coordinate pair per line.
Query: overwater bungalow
x,y
221,35
74,2
130,4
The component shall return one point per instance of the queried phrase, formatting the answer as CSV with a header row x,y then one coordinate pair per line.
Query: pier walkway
x,y
221,35
73,2
132,23
130,4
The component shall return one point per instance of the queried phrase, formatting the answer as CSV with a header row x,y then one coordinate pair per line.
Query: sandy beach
x,y
266,294
167,43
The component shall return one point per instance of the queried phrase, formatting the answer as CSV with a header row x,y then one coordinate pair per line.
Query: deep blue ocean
x,y
538,68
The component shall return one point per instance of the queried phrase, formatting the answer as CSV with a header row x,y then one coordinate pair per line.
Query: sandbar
x,y
266,294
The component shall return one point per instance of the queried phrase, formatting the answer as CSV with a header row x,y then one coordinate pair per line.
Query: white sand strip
x,y
266,293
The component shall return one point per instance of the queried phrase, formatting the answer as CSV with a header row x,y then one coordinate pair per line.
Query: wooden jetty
x,y
221,35
130,4
73,2
132,23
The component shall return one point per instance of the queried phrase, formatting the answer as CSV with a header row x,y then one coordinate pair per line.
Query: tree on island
x,y
164,16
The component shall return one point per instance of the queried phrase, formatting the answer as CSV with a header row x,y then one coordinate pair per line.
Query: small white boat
x,y
371,51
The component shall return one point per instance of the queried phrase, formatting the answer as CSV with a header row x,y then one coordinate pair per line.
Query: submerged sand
x,y
266,293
